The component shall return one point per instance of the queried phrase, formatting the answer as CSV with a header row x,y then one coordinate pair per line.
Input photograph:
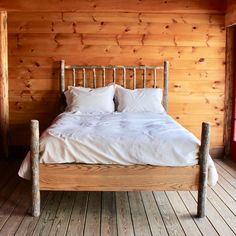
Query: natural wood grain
x,y
229,85
93,219
156,223
203,224
194,44
203,162
171,222
81,177
214,217
124,221
198,6
186,222
4,107
138,214
230,16
29,223
220,218
48,215
78,215
34,157
108,216
226,213
62,217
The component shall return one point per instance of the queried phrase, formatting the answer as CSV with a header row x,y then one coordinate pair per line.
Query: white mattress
x,y
118,138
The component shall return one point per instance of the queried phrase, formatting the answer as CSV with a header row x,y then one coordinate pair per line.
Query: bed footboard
x,y
200,177
203,161
34,156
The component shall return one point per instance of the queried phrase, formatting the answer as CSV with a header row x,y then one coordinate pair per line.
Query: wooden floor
x,y
122,213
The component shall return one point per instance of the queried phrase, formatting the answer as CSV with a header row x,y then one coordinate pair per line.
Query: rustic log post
x,y
165,86
203,161
34,156
4,103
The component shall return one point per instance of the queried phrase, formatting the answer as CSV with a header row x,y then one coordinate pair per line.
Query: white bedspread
x,y
118,138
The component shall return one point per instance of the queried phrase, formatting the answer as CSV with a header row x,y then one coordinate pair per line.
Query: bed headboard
x,y
95,68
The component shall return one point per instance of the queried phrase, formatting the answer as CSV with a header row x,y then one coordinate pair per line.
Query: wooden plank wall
x,y
230,16
194,44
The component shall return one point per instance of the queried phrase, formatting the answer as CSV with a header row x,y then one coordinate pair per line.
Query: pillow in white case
x,y
87,100
139,100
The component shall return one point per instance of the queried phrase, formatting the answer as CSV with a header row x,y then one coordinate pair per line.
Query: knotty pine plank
x,y
50,40
168,215
113,28
155,221
135,6
138,214
127,17
108,215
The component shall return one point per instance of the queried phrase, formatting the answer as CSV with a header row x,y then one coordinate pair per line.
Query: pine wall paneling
x,y
194,44
230,16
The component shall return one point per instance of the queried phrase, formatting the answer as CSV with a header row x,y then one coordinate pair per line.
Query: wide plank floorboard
x,y
117,213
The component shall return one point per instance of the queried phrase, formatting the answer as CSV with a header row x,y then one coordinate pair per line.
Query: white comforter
x,y
118,138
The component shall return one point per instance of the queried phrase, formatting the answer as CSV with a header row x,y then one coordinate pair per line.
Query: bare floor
x,y
121,213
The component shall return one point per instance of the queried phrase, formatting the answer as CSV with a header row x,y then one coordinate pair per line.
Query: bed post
x,y
203,159
34,156
166,78
62,76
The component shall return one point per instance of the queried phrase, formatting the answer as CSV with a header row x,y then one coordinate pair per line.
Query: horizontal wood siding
x,y
230,16
194,44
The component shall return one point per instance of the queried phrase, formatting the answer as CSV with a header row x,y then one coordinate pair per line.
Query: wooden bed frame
x,y
95,177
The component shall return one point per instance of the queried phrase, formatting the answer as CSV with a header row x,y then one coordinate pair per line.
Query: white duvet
x,y
119,138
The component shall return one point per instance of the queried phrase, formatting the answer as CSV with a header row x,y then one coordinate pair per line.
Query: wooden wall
x,y
230,16
194,44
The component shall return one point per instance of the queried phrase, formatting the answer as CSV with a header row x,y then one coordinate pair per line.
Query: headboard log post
x,y
165,86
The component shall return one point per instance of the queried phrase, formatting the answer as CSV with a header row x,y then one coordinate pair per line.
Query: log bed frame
x,y
98,177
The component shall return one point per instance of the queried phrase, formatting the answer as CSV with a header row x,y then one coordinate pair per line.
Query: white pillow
x,y
139,100
87,100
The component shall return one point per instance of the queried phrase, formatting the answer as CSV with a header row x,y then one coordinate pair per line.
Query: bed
x,y
134,175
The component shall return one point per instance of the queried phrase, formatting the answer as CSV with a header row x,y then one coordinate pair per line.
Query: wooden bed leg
x,y
34,156
203,159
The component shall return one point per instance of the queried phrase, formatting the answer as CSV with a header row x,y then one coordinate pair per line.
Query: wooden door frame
x,y
229,85
4,101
